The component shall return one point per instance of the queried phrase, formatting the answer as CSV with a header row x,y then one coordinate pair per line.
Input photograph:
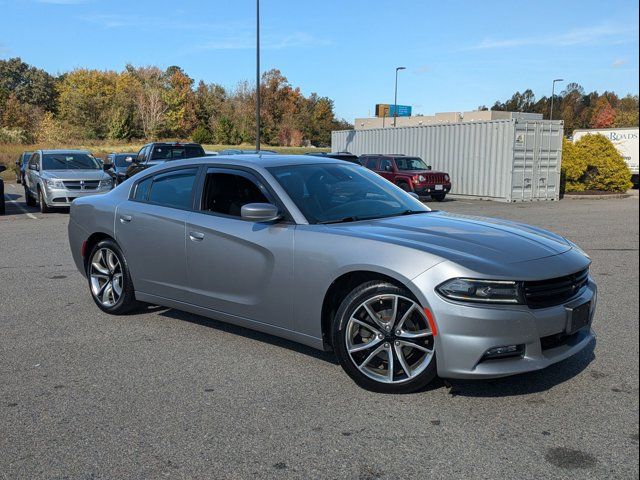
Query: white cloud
x,y
267,41
619,62
61,2
599,34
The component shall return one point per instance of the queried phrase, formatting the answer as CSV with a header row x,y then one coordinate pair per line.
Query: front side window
x,y
411,163
385,165
121,160
226,193
142,190
69,161
173,189
331,193
371,163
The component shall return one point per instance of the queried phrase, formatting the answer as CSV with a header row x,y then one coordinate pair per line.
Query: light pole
x,y
395,97
553,94
257,76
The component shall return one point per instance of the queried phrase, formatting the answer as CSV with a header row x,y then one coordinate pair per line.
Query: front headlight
x,y
106,183
447,178
421,178
54,183
481,291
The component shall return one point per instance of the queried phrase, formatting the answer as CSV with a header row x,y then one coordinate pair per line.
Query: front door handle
x,y
125,218
196,236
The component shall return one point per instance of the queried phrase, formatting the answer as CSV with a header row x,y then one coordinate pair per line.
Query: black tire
x,y
404,186
439,197
3,208
28,198
42,204
127,300
349,306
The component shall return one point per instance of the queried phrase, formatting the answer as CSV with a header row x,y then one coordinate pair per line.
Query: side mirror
x,y
107,166
259,212
387,168
428,167
33,166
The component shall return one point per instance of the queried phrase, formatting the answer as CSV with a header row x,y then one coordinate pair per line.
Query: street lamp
x,y
553,94
395,97
257,76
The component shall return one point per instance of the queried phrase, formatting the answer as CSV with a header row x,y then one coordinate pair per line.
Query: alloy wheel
x,y
106,277
389,339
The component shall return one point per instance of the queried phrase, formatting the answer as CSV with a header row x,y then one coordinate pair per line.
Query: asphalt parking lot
x,y
163,393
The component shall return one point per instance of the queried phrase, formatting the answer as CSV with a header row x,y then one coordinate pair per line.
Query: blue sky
x,y
458,54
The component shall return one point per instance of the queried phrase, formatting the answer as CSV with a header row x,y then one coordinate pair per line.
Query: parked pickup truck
x,y
411,174
159,152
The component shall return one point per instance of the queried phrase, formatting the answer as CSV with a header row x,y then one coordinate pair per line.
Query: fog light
x,y
504,352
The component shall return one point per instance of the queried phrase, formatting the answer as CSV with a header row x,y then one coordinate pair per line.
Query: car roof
x,y
250,160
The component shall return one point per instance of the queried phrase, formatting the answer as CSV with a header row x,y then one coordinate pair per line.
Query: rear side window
x,y
142,190
174,152
371,163
173,189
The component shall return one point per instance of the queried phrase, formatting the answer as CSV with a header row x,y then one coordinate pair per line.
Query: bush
x,y
593,163
13,135
202,135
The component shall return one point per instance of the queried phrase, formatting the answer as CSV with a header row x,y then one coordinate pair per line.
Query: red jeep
x,y
409,173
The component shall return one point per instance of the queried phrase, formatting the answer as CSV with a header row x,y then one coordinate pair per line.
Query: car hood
x,y
76,174
420,172
459,237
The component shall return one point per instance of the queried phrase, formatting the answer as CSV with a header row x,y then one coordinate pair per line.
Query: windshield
x,y
329,193
411,163
173,152
121,160
69,161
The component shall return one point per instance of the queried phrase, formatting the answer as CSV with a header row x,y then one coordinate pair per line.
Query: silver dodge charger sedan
x,y
331,255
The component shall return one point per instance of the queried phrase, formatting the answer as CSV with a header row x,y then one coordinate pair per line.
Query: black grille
x,y
81,184
547,293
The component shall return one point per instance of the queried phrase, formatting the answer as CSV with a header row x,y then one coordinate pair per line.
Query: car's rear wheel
x,y
44,208
109,279
439,197
383,339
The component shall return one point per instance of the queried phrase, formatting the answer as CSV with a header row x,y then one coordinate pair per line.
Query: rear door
x,y
150,228
236,266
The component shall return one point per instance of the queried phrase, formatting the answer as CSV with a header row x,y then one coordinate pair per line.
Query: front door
x,y
235,266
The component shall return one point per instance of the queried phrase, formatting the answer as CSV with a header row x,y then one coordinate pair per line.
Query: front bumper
x,y
62,197
431,189
467,331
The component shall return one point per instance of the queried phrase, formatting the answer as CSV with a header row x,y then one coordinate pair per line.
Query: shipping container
x,y
507,160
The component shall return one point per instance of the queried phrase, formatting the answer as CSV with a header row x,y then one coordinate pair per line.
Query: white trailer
x,y
624,139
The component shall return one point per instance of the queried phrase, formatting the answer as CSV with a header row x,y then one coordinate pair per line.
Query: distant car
x,y
411,174
119,163
237,151
159,152
54,178
209,153
21,165
2,204
346,156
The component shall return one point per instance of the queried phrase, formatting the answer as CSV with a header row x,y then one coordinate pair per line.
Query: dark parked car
x,y
411,174
346,156
2,205
21,165
159,152
120,163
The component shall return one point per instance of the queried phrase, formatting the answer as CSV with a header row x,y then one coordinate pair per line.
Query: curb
x,y
596,197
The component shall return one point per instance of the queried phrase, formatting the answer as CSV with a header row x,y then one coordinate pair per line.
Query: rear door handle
x,y
125,218
196,236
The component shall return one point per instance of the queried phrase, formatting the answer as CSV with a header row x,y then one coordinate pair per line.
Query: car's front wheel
x,y
383,339
44,208
109,279
439,197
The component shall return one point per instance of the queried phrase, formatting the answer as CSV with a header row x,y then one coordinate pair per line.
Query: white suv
x,y
54,178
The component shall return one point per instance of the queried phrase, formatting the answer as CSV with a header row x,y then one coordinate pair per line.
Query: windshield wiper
x,y
340,220
411,212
